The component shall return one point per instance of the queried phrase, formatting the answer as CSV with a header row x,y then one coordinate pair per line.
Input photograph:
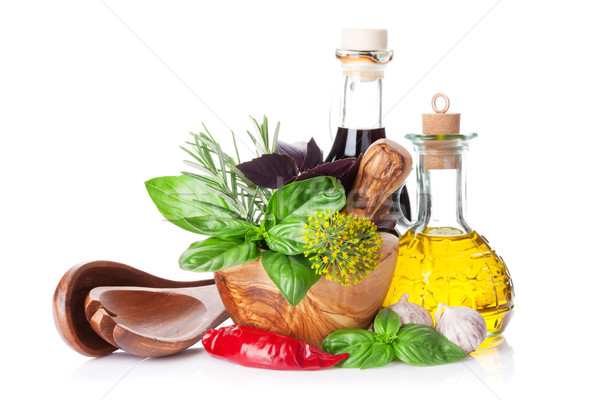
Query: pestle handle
x,y
382,170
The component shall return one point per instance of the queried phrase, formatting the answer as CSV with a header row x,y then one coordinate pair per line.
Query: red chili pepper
x,y
262,349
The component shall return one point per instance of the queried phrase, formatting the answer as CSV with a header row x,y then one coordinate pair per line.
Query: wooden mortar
x,y
252,299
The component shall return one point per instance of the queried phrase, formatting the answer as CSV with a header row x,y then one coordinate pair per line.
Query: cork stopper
x,y
441,154
441,123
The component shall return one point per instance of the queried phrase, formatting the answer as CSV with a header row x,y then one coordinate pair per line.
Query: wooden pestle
x,y
383,169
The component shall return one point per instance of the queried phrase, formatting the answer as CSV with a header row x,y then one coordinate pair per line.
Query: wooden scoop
x,y
151,322
382,170
70,294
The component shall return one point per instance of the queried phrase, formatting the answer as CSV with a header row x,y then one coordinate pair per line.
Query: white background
x,y
95,98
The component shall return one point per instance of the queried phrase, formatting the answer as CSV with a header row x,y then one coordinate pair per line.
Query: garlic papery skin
x,y
411,312
463,326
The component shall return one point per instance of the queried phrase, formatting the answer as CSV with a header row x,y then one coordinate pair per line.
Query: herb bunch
x,y
247,220
343,247
244,221
222,175
413,344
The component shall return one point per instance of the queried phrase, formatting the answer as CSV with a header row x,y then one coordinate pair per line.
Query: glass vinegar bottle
x,y
441,259
364,56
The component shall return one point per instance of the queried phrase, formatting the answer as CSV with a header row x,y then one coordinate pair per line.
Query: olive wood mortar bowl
x,y
252,299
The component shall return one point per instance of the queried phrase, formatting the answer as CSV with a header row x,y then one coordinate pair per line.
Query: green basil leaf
x,y
291,274
181,197
253,235
286,237
422,345
381,354
387,323
216,209
214,254
364,350
221,227
302,199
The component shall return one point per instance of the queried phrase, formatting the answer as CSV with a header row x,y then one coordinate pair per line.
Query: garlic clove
x,y
463,326
411,312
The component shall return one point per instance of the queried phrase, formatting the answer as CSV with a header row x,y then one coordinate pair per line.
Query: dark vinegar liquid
x,y
353,142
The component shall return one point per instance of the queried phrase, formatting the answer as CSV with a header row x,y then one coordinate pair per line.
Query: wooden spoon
x,y
151,322
69,298
382,170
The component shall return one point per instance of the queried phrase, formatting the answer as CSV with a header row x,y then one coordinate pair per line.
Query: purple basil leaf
x,y
303,176
349,177
337,169
314,156
295,150
269,170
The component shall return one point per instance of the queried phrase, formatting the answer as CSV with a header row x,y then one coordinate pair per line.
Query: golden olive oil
x,y
455,270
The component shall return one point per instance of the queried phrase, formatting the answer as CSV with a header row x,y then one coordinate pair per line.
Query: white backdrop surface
x,y
96,97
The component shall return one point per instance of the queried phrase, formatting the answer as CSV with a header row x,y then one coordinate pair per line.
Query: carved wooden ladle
x,y
130,309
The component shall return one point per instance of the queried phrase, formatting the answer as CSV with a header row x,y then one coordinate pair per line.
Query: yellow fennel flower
x,y
355,239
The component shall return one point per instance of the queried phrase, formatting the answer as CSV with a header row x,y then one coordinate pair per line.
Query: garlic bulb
x,y
463,326
411,312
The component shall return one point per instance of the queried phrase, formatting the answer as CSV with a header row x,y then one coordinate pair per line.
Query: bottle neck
x,y
361,105
442,198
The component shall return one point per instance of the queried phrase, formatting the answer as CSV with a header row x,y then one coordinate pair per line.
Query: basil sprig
x,y
365,348
190,204
422,345
414,344
386,325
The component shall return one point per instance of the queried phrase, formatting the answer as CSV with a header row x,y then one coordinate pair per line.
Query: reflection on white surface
x,y
494,361
119,364
483,372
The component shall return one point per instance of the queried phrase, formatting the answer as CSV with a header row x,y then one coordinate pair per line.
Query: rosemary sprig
x,y
262,143
222,176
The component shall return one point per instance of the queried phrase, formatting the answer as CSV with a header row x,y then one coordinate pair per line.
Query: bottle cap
x,y
441,123
364,39
364,53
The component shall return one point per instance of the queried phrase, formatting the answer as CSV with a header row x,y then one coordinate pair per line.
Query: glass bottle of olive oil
x,y
441,259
